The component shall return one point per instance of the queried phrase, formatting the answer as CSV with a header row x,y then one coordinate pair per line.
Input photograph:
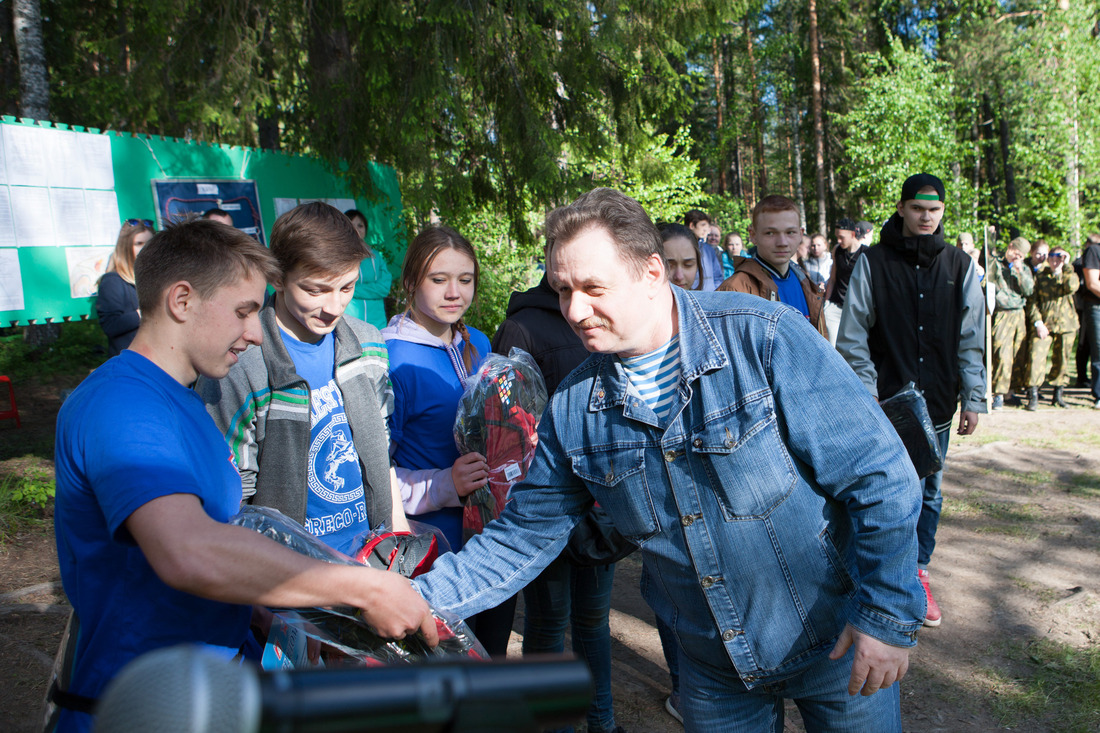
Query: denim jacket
x,y
775,505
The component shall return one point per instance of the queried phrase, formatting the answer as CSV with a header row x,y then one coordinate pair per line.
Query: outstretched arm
x,y
193,553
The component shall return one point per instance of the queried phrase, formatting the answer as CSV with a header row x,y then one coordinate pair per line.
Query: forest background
x,y
494,112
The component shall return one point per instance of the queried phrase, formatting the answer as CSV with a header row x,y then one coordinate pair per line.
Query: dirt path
x,y
1016,570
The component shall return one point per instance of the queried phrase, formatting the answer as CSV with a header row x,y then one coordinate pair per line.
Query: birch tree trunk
x,y
34,87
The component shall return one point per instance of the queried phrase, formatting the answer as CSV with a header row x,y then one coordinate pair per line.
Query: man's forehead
x,y
778,220
589,257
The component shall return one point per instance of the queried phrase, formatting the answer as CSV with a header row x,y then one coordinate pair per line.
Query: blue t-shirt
x,y
790,291
130,434
426,391
336,510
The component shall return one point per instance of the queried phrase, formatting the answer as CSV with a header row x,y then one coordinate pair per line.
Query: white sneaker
x,y
671,709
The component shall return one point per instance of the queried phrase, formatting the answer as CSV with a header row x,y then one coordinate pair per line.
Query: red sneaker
x,y
932,616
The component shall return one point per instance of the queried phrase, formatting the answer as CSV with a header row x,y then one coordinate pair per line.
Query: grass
x,y
26,501
80,347
1059,689
1014,519
985,438
1084,484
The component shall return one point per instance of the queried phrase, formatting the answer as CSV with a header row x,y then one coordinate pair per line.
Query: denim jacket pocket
x,y
617,481
844,581
745,459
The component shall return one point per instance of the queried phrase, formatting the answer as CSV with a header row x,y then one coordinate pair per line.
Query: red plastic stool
x,y
14,411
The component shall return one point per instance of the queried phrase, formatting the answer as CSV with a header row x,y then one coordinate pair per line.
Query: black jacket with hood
x,y
535,324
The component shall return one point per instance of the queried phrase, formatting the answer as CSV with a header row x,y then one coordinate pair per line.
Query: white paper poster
x,y
11,282
70,216
25,153
98,170
30,206
86,266
103,219
7,223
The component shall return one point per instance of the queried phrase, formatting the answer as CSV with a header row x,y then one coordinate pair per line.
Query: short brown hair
x,y
206,254
1019,244
623,218
773,205
318,238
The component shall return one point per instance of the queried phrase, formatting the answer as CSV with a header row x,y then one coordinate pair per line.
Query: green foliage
x,y
80,348
33,489
507,265
728,213
25,500
659,175
899,124
517,107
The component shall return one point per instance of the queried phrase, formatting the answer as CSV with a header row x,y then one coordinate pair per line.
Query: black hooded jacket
x,y
918,300
535,324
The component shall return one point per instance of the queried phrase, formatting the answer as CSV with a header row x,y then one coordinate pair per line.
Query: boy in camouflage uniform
x,y
1014,283
1051,313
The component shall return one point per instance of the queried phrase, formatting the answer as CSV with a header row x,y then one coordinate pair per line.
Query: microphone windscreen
x,y
181,689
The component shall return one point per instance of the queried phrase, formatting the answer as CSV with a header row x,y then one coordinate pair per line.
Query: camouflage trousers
x,y
1062,346
1009,332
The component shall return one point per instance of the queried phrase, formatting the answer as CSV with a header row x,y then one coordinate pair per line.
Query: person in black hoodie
x,y
914,312
562,592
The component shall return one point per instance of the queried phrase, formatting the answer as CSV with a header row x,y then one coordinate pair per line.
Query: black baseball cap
x,y
863,228
913,184
848,225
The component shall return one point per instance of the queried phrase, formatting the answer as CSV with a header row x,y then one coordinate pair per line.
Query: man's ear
x,y
180,300
655,272
901,208
752,235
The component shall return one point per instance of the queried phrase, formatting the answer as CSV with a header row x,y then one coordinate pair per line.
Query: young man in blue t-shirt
x,y
305,412
777,231
145,483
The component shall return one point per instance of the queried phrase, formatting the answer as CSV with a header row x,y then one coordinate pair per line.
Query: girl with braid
x,y
432,355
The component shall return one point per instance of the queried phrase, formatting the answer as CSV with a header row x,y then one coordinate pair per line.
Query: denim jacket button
x,y
670,455
729,635
687,520
609,477
707,582
698,443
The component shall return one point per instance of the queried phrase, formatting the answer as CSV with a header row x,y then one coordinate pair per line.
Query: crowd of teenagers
x,y
718,402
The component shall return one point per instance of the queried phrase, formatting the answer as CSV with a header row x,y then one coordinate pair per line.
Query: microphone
x,y
188,689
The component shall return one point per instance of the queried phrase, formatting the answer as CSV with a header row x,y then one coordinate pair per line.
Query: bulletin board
x,y
65,191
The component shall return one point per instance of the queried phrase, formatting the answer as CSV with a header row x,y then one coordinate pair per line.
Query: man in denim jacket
x,y
774,505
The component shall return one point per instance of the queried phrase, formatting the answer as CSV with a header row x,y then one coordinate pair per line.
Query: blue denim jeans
x,y
670,646
716,701
1092,314
567,593
930,507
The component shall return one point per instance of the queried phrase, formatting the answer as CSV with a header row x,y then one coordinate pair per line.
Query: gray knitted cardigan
x,y
262,407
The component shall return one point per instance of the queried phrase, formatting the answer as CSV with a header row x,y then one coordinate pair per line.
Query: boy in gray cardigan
x,y
305,412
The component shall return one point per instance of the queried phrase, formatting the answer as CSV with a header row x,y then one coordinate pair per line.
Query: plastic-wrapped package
x,y
498,417
348,641
348,638
908,413
408,553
